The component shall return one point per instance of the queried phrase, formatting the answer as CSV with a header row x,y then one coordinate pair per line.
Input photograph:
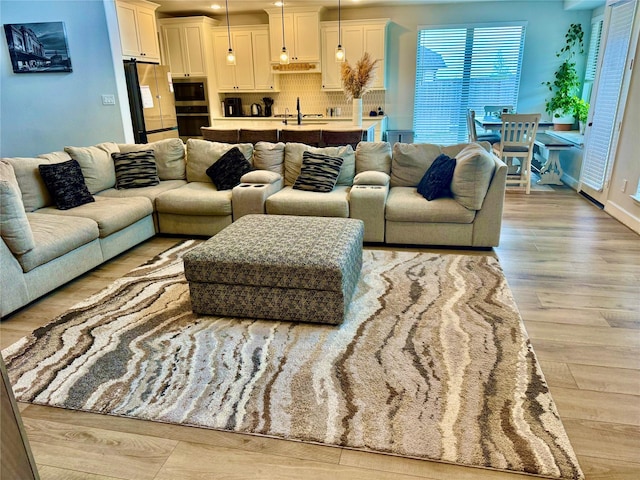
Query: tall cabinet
x,y
187,45
138,29
358,36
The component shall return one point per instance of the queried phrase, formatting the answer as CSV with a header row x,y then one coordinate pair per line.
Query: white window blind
x,y
592,57
464,67
605,115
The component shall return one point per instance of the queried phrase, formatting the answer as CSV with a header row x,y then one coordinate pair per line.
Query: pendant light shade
x,y
231,57
341,55
284,55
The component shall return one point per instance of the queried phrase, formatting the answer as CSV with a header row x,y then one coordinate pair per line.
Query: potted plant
x,y
581,109
566,82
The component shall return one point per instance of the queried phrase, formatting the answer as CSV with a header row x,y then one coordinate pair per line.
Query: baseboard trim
x,y
623,216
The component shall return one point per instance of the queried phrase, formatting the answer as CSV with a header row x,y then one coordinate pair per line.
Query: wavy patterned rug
x,y
432,362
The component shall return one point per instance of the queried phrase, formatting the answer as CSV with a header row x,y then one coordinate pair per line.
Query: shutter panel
x,y
462,67
600,142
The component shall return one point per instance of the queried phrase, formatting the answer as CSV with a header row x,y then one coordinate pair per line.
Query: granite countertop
x,y
268,123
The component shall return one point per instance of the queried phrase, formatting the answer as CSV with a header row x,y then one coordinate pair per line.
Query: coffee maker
x,y
233,107
268,103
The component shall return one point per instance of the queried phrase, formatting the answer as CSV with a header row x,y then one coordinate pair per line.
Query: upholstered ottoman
x,y
278,267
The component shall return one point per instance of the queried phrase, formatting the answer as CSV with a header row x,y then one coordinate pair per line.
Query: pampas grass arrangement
x,y
356,81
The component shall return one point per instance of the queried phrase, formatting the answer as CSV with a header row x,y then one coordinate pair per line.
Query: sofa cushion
x,y
410,162
56,235
301,202
169,156
150,192
225,173
111,214
373,156
202,153
55,157
14,226
405,204
269,156
65,183
195,198
135,169
318,172
293,161
436,181
96,164
472,176
371,177
34,192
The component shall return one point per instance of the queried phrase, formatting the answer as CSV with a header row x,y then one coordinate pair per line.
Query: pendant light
x,y
231,57
340,53
284,56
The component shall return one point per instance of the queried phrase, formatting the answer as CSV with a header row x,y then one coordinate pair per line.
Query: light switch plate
x,y
108,99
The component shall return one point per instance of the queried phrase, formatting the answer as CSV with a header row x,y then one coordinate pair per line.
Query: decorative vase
x,y
357,112
564,122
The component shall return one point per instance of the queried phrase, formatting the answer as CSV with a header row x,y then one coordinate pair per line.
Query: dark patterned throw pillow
x,y
65,184
318,173
436,181
135,169
226,172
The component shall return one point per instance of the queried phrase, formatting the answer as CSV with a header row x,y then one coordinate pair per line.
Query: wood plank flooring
x,y
575,274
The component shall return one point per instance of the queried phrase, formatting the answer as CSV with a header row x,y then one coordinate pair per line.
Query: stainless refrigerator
x,y
151,101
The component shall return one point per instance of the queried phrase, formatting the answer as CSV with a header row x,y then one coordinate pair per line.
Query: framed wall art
x,y
38,47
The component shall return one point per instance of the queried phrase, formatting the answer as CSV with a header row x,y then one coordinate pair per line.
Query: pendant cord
x,y
282,7
339,29
228,28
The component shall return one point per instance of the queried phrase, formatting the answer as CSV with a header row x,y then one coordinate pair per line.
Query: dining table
x,y
495,123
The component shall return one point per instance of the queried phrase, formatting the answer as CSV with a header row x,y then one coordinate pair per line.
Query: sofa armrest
x,y
367,203
488,221
371,177
252,193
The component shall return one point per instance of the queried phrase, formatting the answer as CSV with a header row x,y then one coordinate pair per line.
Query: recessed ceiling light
x,y
215,6
278,4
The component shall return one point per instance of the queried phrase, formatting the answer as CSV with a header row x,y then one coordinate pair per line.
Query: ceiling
x,y
203,7
239,6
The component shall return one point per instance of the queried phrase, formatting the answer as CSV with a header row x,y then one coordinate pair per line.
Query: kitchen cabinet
x,y
252,71
301,33
358,36
138,30
187,45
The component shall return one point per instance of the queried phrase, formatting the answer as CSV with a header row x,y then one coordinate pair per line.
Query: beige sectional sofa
x,y
43,247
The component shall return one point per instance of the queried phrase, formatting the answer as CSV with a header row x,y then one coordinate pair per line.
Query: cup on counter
x,y
338,111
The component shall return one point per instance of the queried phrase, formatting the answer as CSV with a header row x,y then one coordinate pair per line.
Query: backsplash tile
x,y
308,87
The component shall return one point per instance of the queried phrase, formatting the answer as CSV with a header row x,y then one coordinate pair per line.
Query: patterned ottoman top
x,y
279,251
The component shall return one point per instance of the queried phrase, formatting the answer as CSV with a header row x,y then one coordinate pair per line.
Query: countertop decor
x,y
356,81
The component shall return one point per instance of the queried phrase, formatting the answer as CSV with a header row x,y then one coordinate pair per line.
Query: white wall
x,y
42,112
547,24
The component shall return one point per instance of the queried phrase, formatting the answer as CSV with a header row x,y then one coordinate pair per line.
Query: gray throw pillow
x,y
65,184
319,173
135,169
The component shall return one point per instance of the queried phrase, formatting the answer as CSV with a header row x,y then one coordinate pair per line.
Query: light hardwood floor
x,y
575,274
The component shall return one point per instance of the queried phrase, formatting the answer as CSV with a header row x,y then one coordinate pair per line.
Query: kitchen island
x,y
374,126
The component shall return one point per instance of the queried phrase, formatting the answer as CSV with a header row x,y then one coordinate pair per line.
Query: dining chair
x,y
517,138
337,138
255,136
497,110
473,133
220,135
310,137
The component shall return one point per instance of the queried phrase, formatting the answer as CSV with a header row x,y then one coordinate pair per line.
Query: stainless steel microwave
x,y
190,91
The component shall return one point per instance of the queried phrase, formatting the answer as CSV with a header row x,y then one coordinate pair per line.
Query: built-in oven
x,y
192,107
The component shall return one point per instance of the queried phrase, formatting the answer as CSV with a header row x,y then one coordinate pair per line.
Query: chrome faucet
x,y
286,114
299,112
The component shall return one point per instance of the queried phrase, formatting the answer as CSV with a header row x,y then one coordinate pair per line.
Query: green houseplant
x,y
581,109
566,82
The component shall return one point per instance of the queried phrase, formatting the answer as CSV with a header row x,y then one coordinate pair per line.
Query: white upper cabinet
x,y
358,36
252,71
301,34
187,45
138,30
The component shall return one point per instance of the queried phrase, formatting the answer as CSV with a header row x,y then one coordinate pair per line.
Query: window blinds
x,y
464,67
601,139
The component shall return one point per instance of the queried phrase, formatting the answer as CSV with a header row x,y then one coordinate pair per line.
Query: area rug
x,y
432,362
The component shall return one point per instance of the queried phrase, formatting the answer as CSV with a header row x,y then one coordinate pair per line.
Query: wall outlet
x,y
624,186
108,99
